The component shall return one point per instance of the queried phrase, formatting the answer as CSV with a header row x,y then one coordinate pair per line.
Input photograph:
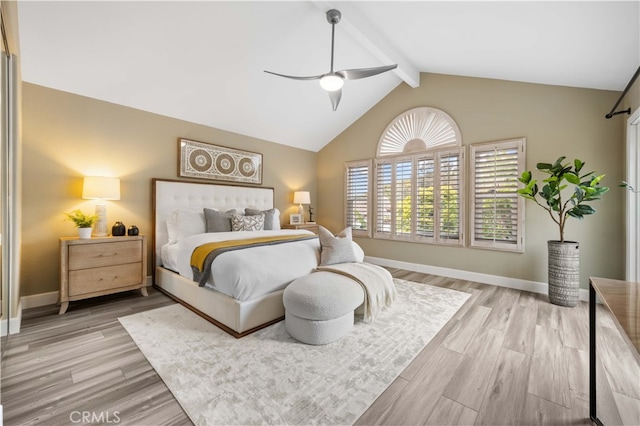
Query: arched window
x,y
417,130
414,190
417,181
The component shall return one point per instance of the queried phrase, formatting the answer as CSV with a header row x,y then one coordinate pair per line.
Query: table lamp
x,y
101,188
300,198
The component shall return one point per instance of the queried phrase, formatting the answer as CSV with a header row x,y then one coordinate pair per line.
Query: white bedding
x,y
251,272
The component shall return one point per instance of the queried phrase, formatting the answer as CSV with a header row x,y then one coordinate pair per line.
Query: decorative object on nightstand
x,y
300,198
133,231
99,266
295,219
310,215
118,229
83,222
101,188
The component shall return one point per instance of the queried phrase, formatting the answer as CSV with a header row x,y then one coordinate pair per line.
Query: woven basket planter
x,y
564,272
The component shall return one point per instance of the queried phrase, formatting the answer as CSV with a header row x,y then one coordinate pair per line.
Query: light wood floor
x,y
506,358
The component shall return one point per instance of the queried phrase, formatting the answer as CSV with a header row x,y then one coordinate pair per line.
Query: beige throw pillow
x,y
336,249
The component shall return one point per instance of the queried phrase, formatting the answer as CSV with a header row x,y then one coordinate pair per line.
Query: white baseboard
x,y
37,300
51,298
14,324
515,283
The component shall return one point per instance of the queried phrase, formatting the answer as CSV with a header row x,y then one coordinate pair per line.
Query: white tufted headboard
x,y
169,195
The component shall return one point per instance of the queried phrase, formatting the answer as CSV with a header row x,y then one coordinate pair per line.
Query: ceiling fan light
x,y
331,82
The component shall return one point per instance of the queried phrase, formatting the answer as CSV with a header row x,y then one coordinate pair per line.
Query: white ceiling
x,y
203,61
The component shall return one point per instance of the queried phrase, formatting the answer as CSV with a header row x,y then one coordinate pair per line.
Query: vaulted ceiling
x,y
203,61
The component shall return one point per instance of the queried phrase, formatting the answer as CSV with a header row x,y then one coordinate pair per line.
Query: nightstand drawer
x,y
105,254
109,277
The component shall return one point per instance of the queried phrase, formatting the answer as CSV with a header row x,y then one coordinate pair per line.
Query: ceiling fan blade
x,y
293,77
335,98
365,72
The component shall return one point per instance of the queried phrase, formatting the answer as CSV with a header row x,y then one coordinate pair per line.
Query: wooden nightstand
x,y
313,227
99,266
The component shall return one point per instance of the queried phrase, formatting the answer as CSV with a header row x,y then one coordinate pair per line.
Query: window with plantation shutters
x,y
357,197
416,183
420,197
497,212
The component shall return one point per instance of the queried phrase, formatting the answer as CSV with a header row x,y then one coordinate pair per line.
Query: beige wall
x,y
66,137
555,120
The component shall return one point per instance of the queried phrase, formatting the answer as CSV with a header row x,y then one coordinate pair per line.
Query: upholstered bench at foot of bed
x,y
319,307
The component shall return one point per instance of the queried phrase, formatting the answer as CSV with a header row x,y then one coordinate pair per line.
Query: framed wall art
x,y
295,219
207,161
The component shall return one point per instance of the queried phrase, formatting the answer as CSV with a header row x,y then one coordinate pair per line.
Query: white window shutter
x,y
497,214
358,197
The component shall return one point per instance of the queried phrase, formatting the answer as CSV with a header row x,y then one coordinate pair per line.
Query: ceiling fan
x,y
333,81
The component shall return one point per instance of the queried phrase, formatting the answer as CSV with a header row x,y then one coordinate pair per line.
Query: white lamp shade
x,y
301,197
101,188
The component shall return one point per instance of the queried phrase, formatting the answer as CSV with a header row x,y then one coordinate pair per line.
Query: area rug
x,y
269,378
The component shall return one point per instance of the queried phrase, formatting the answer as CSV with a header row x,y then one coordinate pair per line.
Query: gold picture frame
x,y
214,162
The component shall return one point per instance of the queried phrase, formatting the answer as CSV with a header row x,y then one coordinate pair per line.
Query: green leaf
x,y
584,209
525,178
578,165
586,175
572,213
543,166
572,178
596,180
526,195
559,161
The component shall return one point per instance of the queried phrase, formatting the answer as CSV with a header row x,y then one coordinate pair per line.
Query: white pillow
x,y
183,223
276,220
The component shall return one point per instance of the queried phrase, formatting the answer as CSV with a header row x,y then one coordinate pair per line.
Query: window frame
x,y
480,243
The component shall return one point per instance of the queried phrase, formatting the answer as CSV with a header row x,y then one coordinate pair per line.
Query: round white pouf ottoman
x,y
319,307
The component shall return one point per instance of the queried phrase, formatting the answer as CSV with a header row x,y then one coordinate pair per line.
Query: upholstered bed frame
x,y
238,318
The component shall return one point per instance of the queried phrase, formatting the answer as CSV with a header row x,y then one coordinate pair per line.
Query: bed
x,y
241,310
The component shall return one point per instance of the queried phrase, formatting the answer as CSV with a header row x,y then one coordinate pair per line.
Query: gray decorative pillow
x,y
336,249
218,221
247,223
271,218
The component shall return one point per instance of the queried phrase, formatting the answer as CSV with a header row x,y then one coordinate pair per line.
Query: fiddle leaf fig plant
x,y
586,188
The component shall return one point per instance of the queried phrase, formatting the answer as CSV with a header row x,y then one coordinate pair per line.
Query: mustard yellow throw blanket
x,y
204,255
